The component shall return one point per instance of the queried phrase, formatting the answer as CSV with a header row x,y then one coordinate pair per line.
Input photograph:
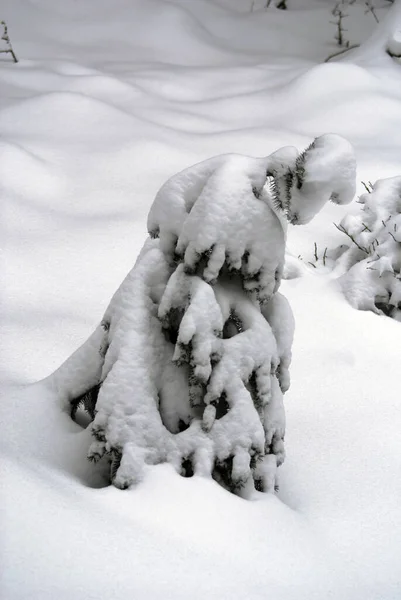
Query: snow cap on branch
x,y
324,171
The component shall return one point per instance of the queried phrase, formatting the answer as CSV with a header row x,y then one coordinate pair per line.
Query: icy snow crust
x,y
107,102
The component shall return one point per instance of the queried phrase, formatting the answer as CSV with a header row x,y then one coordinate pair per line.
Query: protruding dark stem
x,y
343,230
341,52
5,37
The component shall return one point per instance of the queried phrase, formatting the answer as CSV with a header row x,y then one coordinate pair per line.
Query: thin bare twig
x,y
371,9
338,12
368,186
351,237
341,52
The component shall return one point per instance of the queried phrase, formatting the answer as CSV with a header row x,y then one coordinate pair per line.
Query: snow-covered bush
x,y
191,360
373,260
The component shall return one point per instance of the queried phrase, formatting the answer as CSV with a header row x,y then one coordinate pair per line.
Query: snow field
x,y
107,102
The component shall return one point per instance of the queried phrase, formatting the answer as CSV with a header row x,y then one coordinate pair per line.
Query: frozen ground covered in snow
x,y
108,100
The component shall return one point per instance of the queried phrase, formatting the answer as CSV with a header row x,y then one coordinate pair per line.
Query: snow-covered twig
x,y
5,37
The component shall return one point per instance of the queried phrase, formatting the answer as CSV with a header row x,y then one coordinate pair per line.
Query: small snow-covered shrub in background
x,y
191,360
373,260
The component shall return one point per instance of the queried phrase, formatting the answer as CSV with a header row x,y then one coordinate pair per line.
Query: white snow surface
x,y
108,101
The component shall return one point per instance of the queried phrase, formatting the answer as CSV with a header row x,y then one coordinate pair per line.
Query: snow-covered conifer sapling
x,y
371,266
191,359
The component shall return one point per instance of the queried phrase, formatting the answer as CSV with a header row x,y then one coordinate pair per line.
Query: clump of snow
x,y
175,200
394,44
324,171
201,323
250,354
278,314
129,427
231,221
373,281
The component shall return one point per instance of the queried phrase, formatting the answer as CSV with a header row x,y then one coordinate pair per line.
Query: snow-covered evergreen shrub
x,y
191,360
373,260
